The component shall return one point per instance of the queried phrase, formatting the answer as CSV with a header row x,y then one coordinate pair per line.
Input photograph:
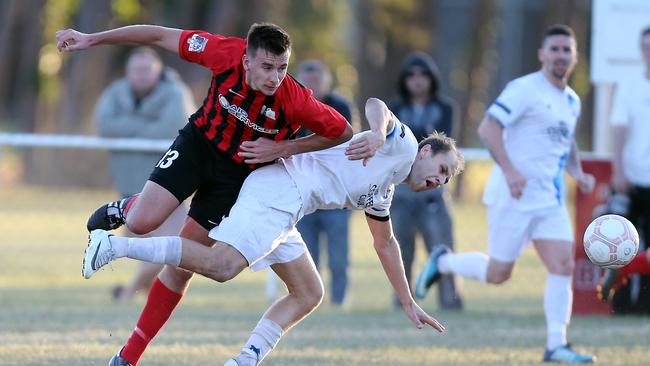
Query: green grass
x,y
49,315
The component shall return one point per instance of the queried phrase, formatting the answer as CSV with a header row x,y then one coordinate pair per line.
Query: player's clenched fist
x,y
72,40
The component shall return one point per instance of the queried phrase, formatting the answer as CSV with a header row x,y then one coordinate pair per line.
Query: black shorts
x,y
193,164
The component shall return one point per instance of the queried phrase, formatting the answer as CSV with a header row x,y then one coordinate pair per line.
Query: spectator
x,y
333,224
150,102
420,106
631,177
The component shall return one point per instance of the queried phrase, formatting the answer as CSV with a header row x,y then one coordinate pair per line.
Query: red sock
x,y
638,265
161,302
130,203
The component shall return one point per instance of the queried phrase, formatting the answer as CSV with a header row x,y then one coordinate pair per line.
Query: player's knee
x,y
224,272
312,296
141,225
498,277
563,266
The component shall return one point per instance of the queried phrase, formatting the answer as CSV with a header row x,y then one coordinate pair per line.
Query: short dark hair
x,y
441,143
269,37
645,31
558,29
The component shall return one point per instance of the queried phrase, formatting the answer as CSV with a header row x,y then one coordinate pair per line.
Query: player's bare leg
x,y
469,265
557,256
164,296
498,272
151,208
305,294
143,212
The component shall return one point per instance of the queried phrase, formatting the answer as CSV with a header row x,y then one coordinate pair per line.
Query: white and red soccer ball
x,y
611,241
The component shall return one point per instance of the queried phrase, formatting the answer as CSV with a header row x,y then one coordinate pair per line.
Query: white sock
x,y
469,265
263,340
159,249
558,297
120,245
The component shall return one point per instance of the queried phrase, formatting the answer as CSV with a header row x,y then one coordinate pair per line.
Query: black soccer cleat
x,y
109,216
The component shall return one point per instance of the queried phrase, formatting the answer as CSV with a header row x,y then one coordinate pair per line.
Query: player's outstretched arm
x,y
71,40
264,150
380,120
389,254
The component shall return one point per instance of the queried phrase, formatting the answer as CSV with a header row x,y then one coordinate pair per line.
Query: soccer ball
x,y
611,241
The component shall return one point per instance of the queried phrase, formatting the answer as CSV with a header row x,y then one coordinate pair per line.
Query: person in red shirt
x,y
249,117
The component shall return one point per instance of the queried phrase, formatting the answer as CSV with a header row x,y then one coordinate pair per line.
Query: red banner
x,y
587,275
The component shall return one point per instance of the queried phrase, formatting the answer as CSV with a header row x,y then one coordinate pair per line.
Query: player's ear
x,y
246,62
425,151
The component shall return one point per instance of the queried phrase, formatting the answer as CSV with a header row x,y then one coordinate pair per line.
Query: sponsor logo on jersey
x,y
388,191
368,200
196,43
268,112
558,133
241,115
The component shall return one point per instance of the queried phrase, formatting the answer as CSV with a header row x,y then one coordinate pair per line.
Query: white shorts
x,y
262,223
511,230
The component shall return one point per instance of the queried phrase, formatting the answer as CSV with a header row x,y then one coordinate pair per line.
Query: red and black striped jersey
x,y
233,113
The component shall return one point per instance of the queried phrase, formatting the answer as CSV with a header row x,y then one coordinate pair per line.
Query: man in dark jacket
x,y
420,106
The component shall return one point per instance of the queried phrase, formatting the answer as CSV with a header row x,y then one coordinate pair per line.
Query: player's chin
x,y
560,72
268,91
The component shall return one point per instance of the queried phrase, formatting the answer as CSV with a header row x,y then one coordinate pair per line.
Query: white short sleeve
x,y
510,104
382,209
620,111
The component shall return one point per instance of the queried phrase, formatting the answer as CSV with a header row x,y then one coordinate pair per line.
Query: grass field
x,y
49,315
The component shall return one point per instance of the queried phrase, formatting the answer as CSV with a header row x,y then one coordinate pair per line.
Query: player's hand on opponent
x,y
419,317
261,150
586,182
365,147
516,182
72,40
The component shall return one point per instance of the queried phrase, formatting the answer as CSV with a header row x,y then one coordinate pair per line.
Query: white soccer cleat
x,y
98,253
231,362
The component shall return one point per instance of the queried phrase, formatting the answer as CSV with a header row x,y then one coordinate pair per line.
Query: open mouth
x,y
431,184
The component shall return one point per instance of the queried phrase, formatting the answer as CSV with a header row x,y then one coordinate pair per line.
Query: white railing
x,y
129,144
82,142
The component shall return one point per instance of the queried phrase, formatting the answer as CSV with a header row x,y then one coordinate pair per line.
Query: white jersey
x,y
632,110
326,179
539,123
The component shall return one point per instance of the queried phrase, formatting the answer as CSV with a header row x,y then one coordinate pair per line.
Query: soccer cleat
x,y
230,362
430,274
98,253
109,216
564,354
117,360
606,287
